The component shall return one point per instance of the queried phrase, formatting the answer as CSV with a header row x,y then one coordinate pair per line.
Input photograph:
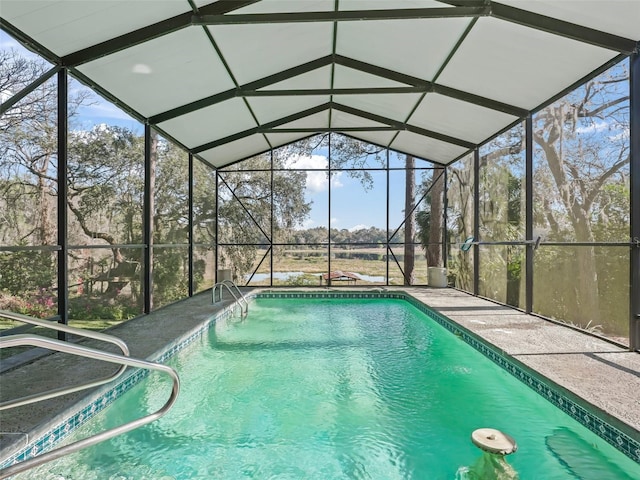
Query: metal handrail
x,y
36,340
244,299
75,331
228,284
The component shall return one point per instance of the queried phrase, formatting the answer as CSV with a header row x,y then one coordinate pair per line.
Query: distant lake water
x,y
259,277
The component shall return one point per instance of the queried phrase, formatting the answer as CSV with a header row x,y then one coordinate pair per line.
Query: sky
x,y
352,207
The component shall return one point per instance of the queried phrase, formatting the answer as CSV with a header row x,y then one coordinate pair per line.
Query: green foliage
x,y
93,307
40,304
26,271
170,282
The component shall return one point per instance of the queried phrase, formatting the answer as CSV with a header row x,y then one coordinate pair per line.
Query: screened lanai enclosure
x,y
149,148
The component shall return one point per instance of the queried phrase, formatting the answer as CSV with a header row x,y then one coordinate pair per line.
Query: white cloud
x,y
593,127
104,109
307,161
317,181
624,135
358,227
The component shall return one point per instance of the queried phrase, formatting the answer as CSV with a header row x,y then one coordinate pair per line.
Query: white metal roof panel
x,y
519,65
377,138
66,26
279,139
345,77
232,151
620,17
392,106
278,6
255,51
413,47
268,109
458,119
346,120
384,4
427,148
211,123
316,120
163,73
318,78
496,57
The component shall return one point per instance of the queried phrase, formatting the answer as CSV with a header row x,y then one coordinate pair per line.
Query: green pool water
x,y
335,389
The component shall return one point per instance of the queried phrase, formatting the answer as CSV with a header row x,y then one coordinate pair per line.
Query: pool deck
x,y
603,374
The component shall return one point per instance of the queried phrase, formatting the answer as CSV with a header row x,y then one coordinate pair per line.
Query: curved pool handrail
x,y
103,337
228,284
87,352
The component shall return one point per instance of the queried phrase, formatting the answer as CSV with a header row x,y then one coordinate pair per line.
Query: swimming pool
x,y
335,389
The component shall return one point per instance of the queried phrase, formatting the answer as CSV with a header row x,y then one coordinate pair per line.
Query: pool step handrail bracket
x,y
240,299
87,352
74,331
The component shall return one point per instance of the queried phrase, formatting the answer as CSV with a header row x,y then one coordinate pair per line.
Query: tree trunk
x,y
587,308
586,283
410,222
434,249
48,227
153,162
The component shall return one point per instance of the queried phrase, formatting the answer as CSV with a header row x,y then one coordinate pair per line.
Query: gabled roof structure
x,y
233,78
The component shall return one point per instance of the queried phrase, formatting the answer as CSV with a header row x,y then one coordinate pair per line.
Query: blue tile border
x,y
620,440
544,387
103,398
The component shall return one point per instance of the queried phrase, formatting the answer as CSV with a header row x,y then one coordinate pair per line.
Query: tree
x,y
460,222
430,219
356,157
583,146
28,171
28,143
410,222
246,196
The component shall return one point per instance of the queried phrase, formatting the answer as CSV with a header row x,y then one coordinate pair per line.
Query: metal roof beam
x,y
403,126
385,147
331,91
149,32
340,16
28,42
258,129
238,92
480,101
10,102
328,129
564,29
431,87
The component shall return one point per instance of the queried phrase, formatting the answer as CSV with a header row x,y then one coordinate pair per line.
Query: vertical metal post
x,y
216,254
190,233
147,223
63,265
528,218
388,196
329,216
271,223
476,221
445,219
634,267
